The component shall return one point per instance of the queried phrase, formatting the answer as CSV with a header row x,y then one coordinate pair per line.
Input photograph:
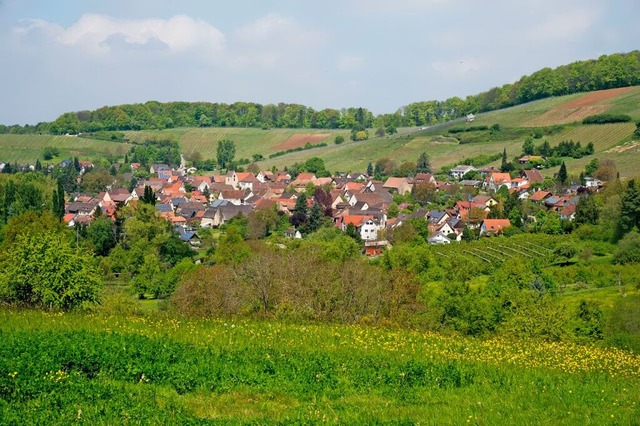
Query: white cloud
x,y
350,63
566,26
461,67
274,41
97,33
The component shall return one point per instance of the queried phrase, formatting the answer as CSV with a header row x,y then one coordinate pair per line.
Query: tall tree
x,y
300,211
149,197
505,166
315,218
629,209
527,147
226,152
586,210
423,165
562,174
58,201
370,169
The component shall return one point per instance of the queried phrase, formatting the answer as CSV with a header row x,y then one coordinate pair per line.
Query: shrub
x,y
628,250
606,119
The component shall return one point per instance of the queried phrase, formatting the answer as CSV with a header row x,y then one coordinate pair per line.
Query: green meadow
x,y
141,369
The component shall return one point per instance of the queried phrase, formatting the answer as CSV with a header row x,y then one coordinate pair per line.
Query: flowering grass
x,y
58,368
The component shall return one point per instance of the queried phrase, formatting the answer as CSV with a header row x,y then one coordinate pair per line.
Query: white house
x,y
461,170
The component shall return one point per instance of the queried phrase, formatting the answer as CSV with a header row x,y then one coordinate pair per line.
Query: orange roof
x,y
68,217
356,220
501,177
354,186
495,225
246,177
539,195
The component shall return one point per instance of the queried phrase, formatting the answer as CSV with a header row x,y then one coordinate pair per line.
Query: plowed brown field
x,y
301,140
578,109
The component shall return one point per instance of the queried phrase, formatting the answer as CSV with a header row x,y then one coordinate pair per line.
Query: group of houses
x,y
191,202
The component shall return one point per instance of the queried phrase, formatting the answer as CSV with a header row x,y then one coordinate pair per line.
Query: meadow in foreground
x,y
102,369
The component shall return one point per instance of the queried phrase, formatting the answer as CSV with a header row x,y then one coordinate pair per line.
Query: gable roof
x,y
539,195
501,177
495,225
533,175
394,182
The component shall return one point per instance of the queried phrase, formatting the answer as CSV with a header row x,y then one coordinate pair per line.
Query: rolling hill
x,y
556,118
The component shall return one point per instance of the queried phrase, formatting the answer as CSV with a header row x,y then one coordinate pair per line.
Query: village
x,y
191,202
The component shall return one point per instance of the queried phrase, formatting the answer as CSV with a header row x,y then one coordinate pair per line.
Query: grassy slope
x,y
28,148
116,369
354,156
248,141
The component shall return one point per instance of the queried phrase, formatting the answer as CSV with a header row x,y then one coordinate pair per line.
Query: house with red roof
x,y
494,226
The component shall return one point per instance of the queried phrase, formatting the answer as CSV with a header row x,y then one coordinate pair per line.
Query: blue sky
x,y
71,55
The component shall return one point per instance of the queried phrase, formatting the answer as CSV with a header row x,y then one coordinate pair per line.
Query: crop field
x,y
248,141
29,148
104,369
603,137
577,109
615,101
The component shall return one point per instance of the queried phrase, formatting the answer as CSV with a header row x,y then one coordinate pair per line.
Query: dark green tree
x,y
300,212
370,169
505,166
562,174
315,218
423,165
591,167
629,210
101,234
527,147
225,152
58,201
149,197
587,210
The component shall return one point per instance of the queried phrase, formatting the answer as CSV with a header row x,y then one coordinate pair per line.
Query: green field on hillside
x,y
248,141
104,369
29,148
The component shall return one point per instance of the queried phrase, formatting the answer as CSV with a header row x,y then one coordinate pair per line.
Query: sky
x,y
72,55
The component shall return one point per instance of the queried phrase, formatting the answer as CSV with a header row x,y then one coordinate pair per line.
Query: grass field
x,y
248,141
104,369
29,148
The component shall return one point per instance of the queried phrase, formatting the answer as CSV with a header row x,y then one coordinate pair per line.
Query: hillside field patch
x,y
579,108
301,139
